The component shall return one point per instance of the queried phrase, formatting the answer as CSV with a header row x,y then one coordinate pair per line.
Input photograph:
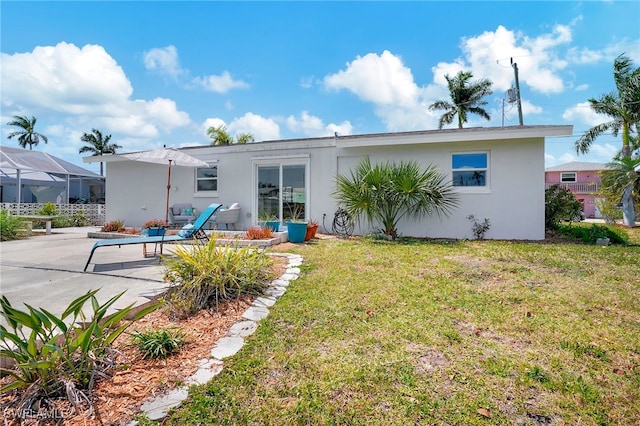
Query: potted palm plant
x,y
296,225
270,221
154,227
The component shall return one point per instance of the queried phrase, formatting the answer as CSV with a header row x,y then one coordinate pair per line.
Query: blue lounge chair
x,y
194,232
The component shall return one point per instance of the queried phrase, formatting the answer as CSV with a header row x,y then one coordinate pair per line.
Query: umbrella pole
x,y
166,212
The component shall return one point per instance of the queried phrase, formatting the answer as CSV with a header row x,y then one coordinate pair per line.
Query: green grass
x,y
427,332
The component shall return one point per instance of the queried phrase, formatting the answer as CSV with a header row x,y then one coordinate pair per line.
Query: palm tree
x,y
219,135
98,145
622,178
623,108
28,135
245,138
466,98
389,192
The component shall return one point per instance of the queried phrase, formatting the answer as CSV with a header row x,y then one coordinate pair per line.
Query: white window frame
x,y
486,188
206,194
280,161
562,177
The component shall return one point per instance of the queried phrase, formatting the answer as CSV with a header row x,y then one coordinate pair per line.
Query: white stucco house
x,y
499,174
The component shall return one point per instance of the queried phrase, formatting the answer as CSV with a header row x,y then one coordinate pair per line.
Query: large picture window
x,y
470,169
207,179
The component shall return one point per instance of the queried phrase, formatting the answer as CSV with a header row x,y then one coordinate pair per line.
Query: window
x,y
568,177
470,169
207,179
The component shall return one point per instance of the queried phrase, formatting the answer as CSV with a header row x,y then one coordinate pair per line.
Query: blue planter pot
x,y
153,232
273,224
297,231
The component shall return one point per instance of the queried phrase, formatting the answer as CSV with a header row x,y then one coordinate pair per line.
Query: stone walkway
x,y
158,407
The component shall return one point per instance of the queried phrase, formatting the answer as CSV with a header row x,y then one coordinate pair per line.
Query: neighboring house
x,y
44,178
498,172
581,178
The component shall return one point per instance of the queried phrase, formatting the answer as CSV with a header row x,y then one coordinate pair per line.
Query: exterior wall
x,y
585,188
514,201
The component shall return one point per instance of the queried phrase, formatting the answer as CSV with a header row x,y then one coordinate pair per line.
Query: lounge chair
x,y
196,231
228,216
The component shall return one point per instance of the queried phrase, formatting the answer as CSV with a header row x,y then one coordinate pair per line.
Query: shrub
x,y
560,204
78,219
10,226
257,233
608,209
158,343
479,228
56,356
113,226
589,234
49,209
202,275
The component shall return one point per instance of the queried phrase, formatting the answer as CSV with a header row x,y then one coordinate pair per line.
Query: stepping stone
x,y
255,313
159,407
264,302
243,329
226,347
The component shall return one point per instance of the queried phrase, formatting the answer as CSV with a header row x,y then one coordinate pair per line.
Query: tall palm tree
x,y
98,145
28,135
466,98
623,108
389,192
622,178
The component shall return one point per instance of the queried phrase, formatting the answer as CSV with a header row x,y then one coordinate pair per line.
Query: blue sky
x,y
161,73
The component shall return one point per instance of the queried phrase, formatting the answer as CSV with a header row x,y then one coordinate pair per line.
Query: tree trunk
x,y
628,214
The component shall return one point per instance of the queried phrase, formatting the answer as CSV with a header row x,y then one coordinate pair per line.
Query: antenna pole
x,y
515,70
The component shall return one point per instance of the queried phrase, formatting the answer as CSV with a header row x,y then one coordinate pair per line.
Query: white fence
x,y
96,213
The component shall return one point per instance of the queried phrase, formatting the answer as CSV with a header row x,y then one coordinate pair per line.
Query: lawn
x,y
440,332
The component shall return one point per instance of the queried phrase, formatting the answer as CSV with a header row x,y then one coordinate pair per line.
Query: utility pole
x,y
515,70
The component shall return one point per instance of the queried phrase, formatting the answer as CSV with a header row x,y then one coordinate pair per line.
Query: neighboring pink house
x,y
582,179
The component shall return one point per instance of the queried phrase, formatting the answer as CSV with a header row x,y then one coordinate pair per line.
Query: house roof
x,y
473,134
577,166
27,161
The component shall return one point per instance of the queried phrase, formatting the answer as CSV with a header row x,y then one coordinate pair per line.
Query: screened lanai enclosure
x,y
37,177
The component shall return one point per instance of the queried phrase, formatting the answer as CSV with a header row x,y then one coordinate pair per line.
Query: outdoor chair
x,y
228,216
181,214
189,232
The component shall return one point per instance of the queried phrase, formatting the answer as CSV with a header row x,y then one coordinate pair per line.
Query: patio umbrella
x,y
171,157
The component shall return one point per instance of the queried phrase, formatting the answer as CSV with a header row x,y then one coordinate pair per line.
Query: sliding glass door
x,y
281,191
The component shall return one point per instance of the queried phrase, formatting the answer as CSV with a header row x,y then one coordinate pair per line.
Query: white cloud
x,y
583,113
261,128
87,88
63,78
387,83
313,126
164,60
343,129
604,151
220,83
490,55
381,79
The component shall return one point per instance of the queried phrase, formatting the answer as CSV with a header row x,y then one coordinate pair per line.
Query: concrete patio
x,y
46,271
